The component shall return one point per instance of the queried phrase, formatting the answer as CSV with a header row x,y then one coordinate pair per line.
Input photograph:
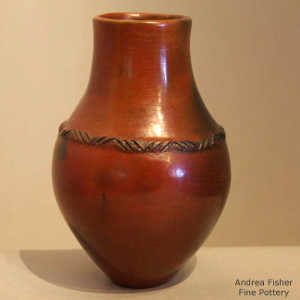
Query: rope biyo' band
x,y
129,145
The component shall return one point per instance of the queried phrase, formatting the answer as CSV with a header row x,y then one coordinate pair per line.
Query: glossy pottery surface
x,y
141,170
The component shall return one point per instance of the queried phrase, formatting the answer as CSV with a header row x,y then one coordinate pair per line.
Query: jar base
x,y
141,284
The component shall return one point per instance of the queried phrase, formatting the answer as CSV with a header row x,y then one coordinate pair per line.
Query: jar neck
x,y
141,83
148,57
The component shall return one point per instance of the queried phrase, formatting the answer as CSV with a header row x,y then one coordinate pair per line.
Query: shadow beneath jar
x,y
73,269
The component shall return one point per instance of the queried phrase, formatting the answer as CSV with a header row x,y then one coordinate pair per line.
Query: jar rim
x,y
141,17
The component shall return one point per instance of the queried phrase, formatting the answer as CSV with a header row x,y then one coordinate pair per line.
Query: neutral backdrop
x,y
246,58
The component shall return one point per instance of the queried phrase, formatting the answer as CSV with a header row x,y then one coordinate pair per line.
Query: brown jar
x,y
141,170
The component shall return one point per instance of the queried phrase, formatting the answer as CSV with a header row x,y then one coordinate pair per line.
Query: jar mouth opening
x,y
138,17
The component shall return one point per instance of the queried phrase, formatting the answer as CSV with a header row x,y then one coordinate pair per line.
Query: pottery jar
x,y
141,169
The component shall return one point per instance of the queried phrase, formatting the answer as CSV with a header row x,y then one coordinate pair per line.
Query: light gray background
x,y
246,61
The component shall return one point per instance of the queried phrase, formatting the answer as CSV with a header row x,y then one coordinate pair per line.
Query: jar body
x,y
141,203
142,215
